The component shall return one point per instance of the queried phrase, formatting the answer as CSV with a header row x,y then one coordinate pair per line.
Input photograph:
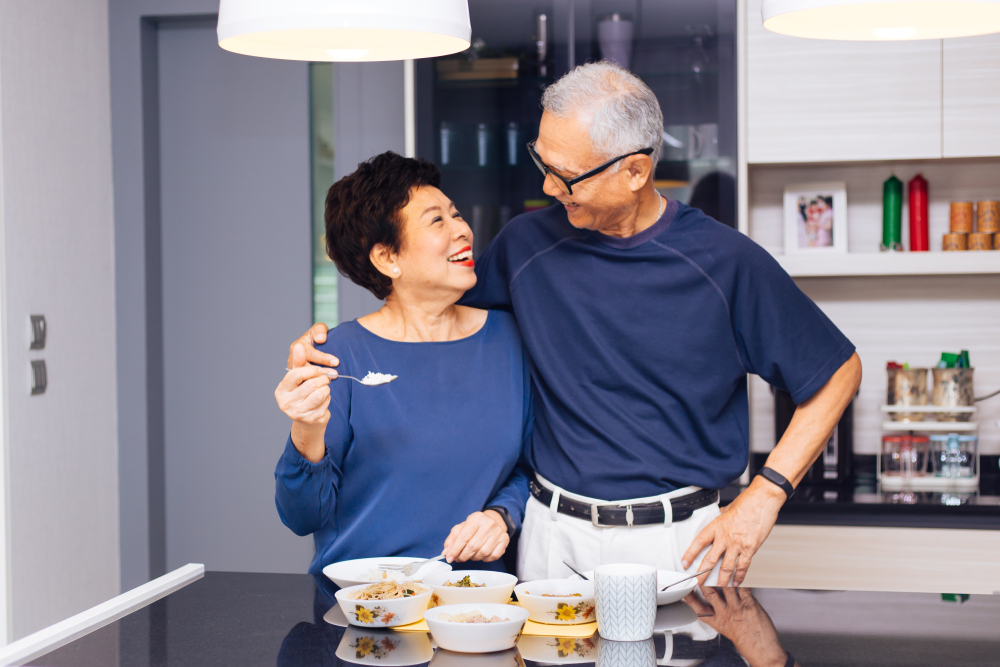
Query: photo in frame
x,y
816,218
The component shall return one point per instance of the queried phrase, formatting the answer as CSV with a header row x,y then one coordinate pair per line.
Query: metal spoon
x,y
679,581
575,571
370,383
410,568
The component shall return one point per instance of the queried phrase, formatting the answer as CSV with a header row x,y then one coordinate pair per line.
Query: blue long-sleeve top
x,y
407,461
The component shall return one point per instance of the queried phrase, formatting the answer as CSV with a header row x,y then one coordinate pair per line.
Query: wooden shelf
x,y
927,427
891,264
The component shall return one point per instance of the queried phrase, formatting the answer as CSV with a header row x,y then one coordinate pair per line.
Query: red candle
x,y
918,214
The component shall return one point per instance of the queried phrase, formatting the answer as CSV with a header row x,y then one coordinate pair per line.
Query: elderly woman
x,y
428,463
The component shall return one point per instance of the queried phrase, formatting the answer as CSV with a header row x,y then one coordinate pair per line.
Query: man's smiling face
x,y
598,202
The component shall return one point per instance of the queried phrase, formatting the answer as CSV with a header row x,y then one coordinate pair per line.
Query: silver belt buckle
x,y
595,517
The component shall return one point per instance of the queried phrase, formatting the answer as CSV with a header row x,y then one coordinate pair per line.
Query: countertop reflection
x,y
271,619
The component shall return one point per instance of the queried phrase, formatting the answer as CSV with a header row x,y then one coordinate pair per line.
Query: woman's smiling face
x,y
436,249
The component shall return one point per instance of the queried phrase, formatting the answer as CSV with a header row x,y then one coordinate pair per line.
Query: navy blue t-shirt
x,y
640,346
408,460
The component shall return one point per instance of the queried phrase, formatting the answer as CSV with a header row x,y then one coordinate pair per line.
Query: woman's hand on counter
x,y
482,536
304,395
308,342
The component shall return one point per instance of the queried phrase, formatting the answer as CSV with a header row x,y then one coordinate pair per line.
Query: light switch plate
x,y
37,332
39,377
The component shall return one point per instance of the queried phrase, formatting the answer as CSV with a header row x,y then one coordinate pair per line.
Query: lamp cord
x,y
983,398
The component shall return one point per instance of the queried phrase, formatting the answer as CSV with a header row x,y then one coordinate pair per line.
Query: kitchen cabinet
x,y
476,110
971,122
822,101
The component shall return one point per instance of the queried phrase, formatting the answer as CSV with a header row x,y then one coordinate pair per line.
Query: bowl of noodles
x,y
459,587
384,604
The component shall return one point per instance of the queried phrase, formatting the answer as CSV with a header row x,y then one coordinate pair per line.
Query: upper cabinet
x,y
822,101
971,124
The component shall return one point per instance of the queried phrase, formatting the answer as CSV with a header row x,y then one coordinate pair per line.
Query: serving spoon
x,y
371,380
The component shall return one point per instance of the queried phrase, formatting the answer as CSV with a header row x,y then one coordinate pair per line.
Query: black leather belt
x,y
617,514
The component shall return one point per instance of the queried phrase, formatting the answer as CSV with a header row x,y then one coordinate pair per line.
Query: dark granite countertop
x,y
245,619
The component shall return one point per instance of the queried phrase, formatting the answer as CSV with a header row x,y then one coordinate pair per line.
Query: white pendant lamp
x,y
869,20
343,30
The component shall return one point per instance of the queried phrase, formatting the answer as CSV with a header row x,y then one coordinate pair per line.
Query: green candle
x,y
892,214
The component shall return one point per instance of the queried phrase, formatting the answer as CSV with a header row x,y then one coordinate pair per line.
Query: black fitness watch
x,y
502,511
776,477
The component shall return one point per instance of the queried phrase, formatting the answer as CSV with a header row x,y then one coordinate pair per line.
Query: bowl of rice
x,y
558,601
459,587
476,627
366,570
384,604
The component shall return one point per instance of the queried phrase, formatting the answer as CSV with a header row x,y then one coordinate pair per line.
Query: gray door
x,y
234,147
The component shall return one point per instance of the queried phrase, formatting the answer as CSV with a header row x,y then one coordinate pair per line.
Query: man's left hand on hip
x,y
738,532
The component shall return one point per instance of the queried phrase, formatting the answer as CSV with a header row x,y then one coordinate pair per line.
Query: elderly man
x,y
643,317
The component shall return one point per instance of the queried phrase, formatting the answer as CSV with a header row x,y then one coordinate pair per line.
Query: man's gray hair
x,y
624,113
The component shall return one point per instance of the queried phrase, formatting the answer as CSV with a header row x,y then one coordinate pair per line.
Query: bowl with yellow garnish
x,y
557,601
461,586
384,604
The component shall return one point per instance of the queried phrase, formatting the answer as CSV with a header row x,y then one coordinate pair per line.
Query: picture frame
x,y
816,218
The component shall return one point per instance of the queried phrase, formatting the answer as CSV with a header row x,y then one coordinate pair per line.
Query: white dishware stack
x,y
625,596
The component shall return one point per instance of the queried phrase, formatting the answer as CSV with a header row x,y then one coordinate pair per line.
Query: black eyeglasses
x,y
566,185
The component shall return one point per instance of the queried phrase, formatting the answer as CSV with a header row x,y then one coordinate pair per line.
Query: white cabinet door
x,y
813,100
972,96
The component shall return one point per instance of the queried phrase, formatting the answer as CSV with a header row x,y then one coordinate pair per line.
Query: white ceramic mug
x,y
625,596
626,654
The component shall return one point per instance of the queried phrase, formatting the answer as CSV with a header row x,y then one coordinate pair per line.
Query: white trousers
x,y
548,538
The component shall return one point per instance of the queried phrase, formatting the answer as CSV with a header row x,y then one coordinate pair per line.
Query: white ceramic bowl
x,y
663,578
561,610
383,613
559,650
384,647
477,637
497,589
445,658
353,572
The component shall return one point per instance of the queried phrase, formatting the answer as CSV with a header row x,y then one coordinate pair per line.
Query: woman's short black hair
x,y
362,210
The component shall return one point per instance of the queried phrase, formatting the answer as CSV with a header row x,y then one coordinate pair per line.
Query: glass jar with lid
x,y
904,456
954,455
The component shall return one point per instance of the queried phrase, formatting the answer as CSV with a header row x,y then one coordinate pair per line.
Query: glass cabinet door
x,y
476,110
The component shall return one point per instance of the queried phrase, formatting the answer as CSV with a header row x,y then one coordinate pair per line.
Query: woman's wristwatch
x,y
505,515
776,477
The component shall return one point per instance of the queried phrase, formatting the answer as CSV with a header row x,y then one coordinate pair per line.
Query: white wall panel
x,y
59,261
971,96
815,100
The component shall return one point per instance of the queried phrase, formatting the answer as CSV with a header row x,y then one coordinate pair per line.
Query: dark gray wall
x,y
135,140
368,120
236,276
200,318
368,102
